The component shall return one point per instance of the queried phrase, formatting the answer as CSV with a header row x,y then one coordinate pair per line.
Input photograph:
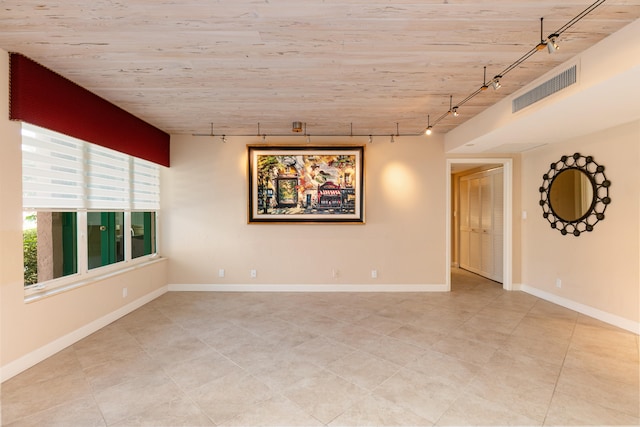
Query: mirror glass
x,y
571,194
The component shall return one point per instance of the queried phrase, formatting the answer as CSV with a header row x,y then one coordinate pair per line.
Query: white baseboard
x,y
307,288
25,362
604,316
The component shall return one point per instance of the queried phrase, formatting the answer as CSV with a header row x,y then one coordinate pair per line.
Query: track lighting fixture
x,y
552,46
224,138
370,139
496,82
264,137
392,140
296,127
429,127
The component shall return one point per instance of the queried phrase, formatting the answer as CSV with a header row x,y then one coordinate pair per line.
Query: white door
x,y
481,222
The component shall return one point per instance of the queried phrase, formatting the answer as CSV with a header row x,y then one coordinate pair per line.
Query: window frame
x,y
84,275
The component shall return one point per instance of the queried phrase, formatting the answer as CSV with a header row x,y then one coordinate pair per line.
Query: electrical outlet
x,y
253,274
558,283
125,292
374,274
336,273
221,272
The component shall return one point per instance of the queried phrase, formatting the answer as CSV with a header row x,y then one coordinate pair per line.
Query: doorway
x,y
456,165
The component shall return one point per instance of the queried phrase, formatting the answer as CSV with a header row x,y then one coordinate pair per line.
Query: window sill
x,y
88,280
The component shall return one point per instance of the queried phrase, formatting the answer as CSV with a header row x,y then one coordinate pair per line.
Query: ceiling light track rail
x,y
549,43
300,129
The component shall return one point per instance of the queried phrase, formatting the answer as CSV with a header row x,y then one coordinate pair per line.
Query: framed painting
x,y
306,184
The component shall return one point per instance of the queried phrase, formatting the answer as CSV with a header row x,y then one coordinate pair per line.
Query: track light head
x,y
427,131
370,139
496,82
552,46
455,111
392,139
296,127
224,138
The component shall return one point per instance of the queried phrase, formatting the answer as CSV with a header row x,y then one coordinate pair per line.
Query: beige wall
x,y
205,219
27,328
600,269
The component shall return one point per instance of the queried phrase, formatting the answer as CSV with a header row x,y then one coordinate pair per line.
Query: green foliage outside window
x,y
30,247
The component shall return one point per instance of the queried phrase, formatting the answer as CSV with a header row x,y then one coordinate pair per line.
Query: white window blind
x,y
61,172
145,185
52,170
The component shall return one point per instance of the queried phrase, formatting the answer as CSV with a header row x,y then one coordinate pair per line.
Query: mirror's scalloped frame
x,y
601,199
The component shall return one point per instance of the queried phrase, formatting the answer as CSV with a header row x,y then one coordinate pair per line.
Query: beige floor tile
x,y
547,348
418,393
353,336
568,410
609,364
619,396
484,334
376,411
174,413
605,342
192,373
321,351
521,367
393,350
527,397
118,370
284,371
229,396
473,410
108,343
467,350
379,324
19,401
176,348
324,395
419,337
444,368
277,412
363,369
81,412
320,325
136,396
61,364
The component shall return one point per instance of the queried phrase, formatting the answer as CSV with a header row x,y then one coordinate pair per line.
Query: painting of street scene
x,y
306,184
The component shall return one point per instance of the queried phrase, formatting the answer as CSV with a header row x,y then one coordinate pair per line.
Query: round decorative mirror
x,y
574,194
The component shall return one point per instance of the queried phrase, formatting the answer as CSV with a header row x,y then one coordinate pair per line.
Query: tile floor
x,y
475,356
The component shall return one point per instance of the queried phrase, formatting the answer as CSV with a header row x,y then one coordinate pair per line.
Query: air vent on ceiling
x,y
551,86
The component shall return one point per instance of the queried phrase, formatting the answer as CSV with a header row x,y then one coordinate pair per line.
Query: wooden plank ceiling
x,y
377,65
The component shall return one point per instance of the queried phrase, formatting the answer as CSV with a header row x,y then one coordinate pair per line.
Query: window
x,y
143,233
85,207
50,245
105,243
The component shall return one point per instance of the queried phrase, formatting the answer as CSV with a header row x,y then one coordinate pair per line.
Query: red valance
x,y
44,98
